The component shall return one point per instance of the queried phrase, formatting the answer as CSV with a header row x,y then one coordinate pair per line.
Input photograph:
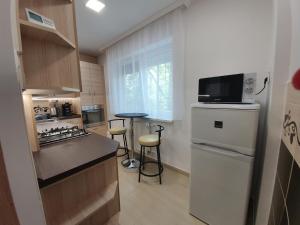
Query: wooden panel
x,y
99,100
88,58
89,197
114,220
85,78
93,84
8,214
86,99
61,12
38,32
76,41
47,65
30,123
97,79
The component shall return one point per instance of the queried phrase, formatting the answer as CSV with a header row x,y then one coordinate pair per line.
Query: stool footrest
x,y
152,175
126,152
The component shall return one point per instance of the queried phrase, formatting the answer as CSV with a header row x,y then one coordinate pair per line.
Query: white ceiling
x,y
97,31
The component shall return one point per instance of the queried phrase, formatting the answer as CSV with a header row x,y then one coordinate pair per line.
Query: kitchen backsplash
x,y
43,106
286,196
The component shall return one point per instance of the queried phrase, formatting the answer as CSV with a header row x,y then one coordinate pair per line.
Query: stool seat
x,y
149,140
117,130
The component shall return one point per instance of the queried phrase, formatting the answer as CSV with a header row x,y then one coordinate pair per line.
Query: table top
x,y
131,115
58,161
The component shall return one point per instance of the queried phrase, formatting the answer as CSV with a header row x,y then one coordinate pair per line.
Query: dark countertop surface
x,y
73,116
58,161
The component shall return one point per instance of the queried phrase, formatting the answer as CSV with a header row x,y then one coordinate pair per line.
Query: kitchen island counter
x,y
58,161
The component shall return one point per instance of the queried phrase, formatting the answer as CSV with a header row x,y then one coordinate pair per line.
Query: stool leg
x,y
143,157
159,163
141,162
112,136
126,145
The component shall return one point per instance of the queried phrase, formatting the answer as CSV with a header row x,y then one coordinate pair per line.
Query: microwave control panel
x,y
249,87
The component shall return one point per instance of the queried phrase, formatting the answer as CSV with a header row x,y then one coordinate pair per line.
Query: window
x,y
141,74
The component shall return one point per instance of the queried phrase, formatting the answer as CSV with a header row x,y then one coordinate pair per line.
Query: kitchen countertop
x,y
57,161
73,116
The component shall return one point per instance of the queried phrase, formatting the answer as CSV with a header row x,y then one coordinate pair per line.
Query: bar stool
x,y
119,131
151,140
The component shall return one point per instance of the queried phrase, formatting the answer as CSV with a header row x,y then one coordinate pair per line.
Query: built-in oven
x,y
92,115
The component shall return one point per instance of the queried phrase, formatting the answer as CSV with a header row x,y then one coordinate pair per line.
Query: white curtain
x,y
145,70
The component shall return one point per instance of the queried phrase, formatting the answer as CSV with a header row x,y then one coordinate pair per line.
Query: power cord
x,y
265,84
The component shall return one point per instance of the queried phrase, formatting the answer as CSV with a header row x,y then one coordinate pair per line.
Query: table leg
x,y
132,163
132,137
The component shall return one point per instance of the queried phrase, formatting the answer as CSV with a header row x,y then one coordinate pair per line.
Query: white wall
x,y
287,61
225,37
13,136
222,37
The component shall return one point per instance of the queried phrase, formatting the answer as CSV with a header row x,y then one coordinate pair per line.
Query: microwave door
x,y
233,88
226,89
209,89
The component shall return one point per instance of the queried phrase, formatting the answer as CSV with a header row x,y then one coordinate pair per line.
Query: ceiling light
x,y
95,5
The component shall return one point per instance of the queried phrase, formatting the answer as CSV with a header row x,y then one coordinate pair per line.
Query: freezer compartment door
x,y
226,128
220,185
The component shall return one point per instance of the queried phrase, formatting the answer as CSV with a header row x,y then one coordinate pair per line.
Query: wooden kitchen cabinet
x,y
53,68
89,196
93,84
49,56
48,59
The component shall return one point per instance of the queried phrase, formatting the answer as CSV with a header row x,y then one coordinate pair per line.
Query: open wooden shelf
x,y
39,32
91,206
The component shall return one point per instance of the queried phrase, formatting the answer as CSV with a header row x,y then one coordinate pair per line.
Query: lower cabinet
x,y
88,197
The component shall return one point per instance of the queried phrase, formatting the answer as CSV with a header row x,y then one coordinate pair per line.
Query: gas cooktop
x,y
55,135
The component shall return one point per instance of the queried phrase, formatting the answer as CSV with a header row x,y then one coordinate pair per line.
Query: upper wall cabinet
x,y
49,56
93,84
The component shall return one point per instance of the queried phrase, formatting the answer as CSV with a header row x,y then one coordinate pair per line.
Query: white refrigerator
x,y
222,156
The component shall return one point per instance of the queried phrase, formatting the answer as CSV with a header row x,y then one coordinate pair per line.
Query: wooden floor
x,y
148,203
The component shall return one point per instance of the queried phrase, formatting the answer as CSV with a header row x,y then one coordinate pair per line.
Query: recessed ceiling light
x,y
95,5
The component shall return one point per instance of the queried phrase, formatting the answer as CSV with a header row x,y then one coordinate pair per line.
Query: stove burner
x,y
60,134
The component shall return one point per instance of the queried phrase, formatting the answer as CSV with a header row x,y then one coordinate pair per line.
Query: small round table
x,y
131,163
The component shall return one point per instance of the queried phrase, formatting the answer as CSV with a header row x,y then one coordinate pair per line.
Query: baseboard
x,y
167,165
177,169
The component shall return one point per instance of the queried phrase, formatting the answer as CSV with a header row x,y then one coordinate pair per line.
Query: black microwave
x,y
234,88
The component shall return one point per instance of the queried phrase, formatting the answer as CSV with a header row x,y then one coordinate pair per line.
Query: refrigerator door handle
x,y
221,151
